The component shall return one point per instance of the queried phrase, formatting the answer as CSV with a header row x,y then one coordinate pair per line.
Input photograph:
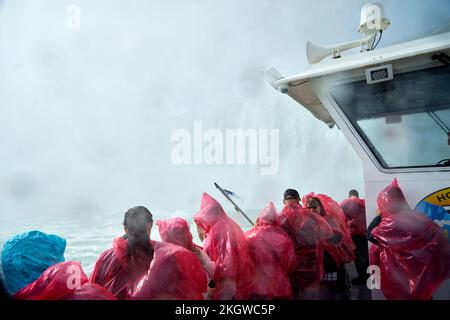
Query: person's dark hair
x,y
353,193
140,250
315,202
291,194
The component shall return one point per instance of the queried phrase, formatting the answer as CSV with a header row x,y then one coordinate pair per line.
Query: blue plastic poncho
x,y
25,256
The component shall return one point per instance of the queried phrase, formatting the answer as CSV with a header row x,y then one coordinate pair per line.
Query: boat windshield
x,y
404,121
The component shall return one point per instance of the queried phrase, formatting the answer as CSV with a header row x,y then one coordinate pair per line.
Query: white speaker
x,y
373,20
316,53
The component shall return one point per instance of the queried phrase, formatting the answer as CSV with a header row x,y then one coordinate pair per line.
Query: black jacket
x,y
375,222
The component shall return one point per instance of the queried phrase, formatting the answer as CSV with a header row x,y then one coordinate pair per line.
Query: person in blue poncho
x,y
25,256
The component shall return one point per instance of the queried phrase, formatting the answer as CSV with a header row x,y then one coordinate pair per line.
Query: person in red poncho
x,y
273,256
176,230
63,281
120,268
175,274
411,250
338,250
308,232
141,269
225,244
355,213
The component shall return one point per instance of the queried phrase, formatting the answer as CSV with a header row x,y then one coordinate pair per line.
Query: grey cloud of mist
x,y
87,115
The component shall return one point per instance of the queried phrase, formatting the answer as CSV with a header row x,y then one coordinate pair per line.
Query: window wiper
x,y
439,121
442,58
444,163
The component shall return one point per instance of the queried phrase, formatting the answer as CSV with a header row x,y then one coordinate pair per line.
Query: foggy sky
x,y
87,115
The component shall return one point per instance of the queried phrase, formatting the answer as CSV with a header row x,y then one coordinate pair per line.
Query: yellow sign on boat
x,y
439,198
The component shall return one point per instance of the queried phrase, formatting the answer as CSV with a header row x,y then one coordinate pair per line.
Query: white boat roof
x,y
301,90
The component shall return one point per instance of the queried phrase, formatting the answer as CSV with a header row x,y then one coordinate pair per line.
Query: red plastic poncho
x,y
391,200
273,256
175,274
309,232
355,214
413,252
63,281
176,230
111,270
344,250
226,245
374,254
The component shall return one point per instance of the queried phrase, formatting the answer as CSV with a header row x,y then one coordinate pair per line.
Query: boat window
x,y
404,121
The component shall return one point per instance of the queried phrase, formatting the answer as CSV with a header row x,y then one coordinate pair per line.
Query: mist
x,y
87,115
